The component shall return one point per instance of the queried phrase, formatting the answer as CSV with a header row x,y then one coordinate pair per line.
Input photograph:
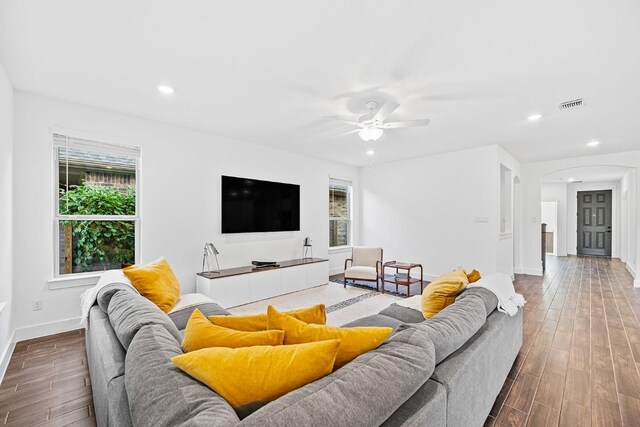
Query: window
x,y
339,213
96,212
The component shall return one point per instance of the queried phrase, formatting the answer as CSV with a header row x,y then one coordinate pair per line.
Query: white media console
x,y
242,285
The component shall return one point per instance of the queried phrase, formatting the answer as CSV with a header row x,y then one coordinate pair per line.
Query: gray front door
x,y
594,222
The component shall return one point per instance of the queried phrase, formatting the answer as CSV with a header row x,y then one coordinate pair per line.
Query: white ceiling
x,y
587,174
271,72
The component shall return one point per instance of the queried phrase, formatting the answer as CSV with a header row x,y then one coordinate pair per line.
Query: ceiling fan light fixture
x,y
370,133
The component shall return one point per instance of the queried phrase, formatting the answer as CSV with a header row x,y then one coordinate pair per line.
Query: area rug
x,y
343,305
389,288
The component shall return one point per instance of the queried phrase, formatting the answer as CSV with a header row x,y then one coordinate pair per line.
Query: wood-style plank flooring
x,y
47,383
578,365
579,362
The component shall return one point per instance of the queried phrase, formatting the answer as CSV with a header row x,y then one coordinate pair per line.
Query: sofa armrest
x,y
374,386
348,260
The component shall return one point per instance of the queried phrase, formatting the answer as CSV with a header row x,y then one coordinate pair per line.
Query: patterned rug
x,y
388,287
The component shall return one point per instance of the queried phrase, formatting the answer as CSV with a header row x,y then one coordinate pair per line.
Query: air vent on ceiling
x,y
571,104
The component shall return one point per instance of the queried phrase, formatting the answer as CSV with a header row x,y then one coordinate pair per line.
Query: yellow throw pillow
x,y
260,373
258,322
156,282
442,292
201,333
474,276
353,341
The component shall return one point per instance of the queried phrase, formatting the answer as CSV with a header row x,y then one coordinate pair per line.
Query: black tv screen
x,y
253,206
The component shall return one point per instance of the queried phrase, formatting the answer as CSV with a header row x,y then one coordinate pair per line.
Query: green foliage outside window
x,y
100,242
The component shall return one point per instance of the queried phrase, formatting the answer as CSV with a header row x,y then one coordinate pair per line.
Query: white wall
x,y
630,216
550,217
532,175
180,208
557,192
441,211
6,206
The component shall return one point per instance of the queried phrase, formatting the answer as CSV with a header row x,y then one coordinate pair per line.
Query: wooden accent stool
x,y
403,279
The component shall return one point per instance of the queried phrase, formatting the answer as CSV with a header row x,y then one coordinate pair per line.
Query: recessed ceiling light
x,y
593,143
572,179
370,152
167,90
534,117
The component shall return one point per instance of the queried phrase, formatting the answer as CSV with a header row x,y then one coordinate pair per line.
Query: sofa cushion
x,y
366,391
155,281
361,272
160,394
354,341
187,303
403,314
454,325
105,293
442,292
375,320
262,373
488,298
315,314
426,408
201,333
128,312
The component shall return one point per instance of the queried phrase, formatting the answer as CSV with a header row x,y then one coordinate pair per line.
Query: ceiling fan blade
x,y
342,119
385,111
406,124
344,134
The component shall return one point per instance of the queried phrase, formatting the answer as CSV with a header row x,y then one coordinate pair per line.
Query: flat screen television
x,y
254,206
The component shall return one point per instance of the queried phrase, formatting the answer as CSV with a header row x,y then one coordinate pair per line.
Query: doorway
x,y
594,223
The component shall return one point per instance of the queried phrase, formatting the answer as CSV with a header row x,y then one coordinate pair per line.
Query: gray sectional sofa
x,y
445,371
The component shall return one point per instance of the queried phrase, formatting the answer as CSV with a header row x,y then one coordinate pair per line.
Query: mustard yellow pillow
x,y
201,333
353,341
474,276
258,322
260,373
442,292
156,282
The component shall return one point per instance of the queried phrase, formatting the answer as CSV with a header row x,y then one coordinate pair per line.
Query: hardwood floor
x,y
578,365
47,383
579,361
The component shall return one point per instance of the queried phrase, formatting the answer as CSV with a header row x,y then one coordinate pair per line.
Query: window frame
x,y
349,219
61,280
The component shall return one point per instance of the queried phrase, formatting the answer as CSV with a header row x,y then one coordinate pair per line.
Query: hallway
x,y
580,357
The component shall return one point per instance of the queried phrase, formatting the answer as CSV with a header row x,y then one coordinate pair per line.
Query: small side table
x,y
403,279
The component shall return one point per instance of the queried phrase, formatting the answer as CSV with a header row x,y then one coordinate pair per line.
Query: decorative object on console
x,y
307,248
265,263
210,250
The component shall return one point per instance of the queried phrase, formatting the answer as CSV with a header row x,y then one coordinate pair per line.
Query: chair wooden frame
x,y
379,270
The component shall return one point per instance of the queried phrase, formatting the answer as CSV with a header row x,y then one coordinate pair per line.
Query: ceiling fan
x,y
372,124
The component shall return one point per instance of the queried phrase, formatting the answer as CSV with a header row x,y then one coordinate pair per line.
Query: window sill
x,y
340,249
74,281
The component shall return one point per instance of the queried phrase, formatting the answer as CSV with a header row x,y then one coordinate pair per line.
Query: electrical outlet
x,y
37,304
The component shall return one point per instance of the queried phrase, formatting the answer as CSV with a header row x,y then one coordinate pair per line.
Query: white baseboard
x,y
335,271
632,271
6,356
636,283
44,329
532,271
